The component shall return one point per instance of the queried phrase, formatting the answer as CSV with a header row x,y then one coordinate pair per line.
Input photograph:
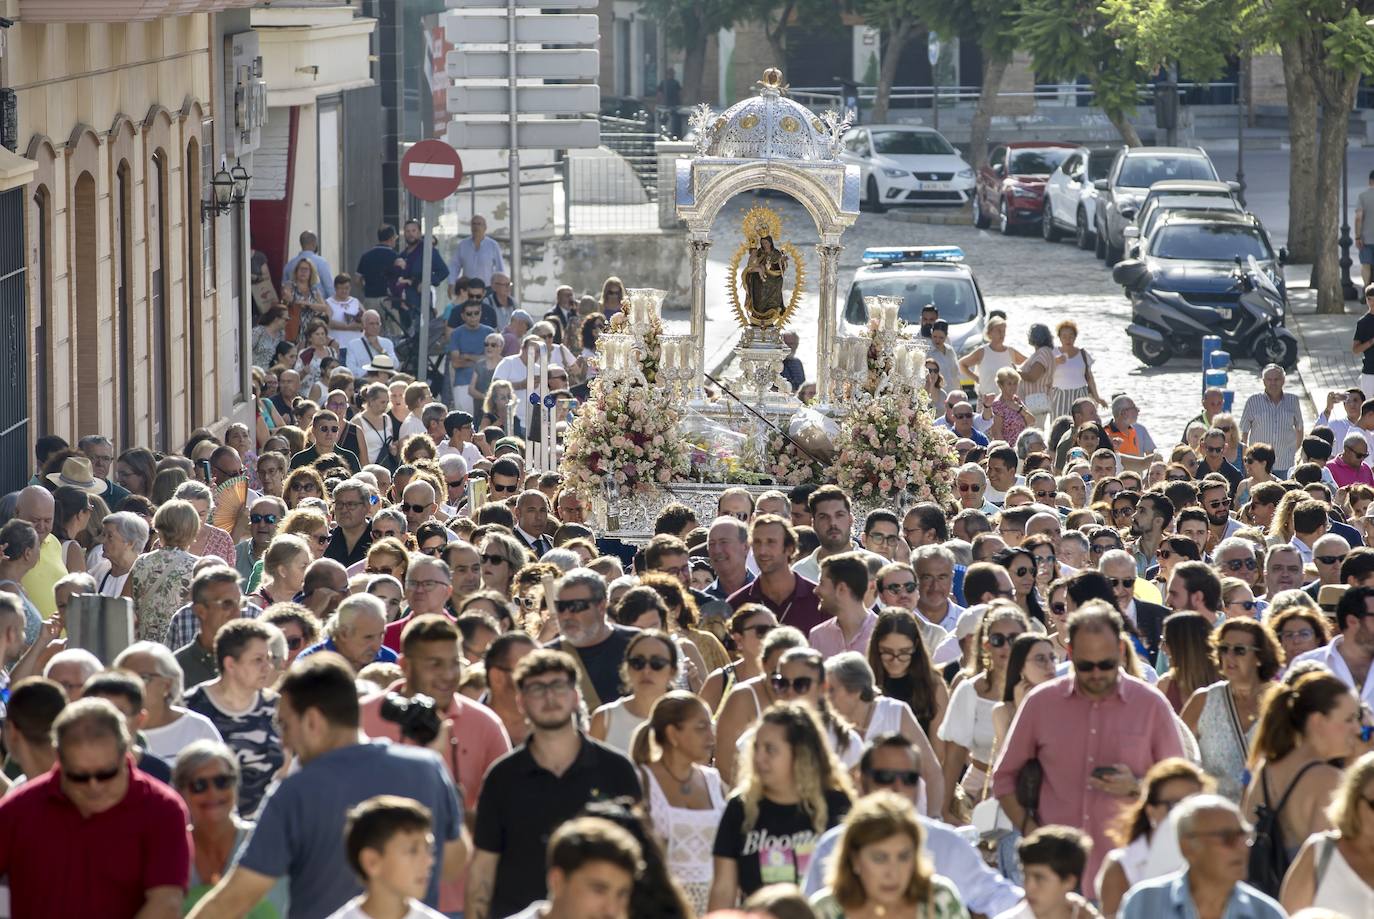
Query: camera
x,y
417,716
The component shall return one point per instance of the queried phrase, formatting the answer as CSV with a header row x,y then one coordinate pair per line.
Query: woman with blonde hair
x,y
158,580
1225,422
685,796
612,296
1335,870
310,525
283,570
301,295
1009,414
1164,787
792,789
1073,372
498,409
880,869
986,360
1281,527
388,556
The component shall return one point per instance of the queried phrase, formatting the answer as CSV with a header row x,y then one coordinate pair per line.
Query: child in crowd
x,y
1053,859
390,846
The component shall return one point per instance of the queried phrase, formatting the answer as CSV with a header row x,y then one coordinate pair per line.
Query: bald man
x,y
362,350
36,506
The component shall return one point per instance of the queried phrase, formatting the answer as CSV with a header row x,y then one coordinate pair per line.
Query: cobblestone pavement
x,y
1028,278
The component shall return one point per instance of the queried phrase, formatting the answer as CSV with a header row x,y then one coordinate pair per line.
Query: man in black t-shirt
x,y
378,267
584,630
1364,344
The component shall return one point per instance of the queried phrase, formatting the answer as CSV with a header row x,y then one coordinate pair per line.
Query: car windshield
x,y
1100,164
1144,171
1038,162
1216,242
1152,215
955,296
911,143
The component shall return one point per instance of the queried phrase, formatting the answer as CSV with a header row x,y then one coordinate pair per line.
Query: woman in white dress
x,y
170,727
851,687
685,796
984,361
967,728
1335,870
648,671
125,536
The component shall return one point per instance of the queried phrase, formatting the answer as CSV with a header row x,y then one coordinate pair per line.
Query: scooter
x,y
1164,323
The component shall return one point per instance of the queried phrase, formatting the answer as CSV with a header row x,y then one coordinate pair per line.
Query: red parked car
x,y
1010,187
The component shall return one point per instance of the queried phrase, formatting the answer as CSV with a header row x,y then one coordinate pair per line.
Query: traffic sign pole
x,y
426,288
431,171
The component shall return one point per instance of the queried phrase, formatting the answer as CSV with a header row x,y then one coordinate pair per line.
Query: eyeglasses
x,y
497,488
430,584
1234,650
760,631
1229,837
458,484
1059,609
434,551
539,690
900,657
294,643
655,663
966,487
800,685
494,559
1098,548
1214,450
1022,570
887,777
1045,560
903,586
1046,494
1297,635
327,430
1090,666
321,539
1123,511
415,508
963,415
349,505
1222,502
1128,583
86,778
1236,564
572,606
1247,605
1329,559
270,519
380,569
221,782
1164,554
303,486
1000,640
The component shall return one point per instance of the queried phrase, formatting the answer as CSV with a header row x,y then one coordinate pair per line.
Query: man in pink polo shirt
x,y
429,584
843,585
1096,732
431,658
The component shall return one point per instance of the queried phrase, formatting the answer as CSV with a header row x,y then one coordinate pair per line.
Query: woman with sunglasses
x,y
502,558
1057,618
1021,565
302,482
493,349
387,555
497,409
1335,870
1172,551
1224,715
648,671
800,677
791,790
748,627
297,624
1186,642
283,570
901,664
642,607
310,525
1258,465
206,775
683,620
431,539
1041,548
1299,628
686,797
967,729
1163,788
612,296
850,688
747,701
1238,599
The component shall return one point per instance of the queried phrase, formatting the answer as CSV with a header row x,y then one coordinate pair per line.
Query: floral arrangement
x,y
788,465
625,438
888,446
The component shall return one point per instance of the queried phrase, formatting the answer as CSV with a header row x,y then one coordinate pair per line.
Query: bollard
x,y
1228,399
1215,378
1218,360
1210,345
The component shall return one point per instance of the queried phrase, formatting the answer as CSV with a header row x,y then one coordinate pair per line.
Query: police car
x,y
921,275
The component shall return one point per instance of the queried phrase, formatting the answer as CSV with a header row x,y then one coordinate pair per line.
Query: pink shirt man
x,y
828,638
1072,734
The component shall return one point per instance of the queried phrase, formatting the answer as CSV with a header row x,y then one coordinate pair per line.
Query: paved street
x,y
1028,278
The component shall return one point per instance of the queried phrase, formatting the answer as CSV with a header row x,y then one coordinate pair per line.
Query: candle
x,y
524,398
544,416
890,317
667,355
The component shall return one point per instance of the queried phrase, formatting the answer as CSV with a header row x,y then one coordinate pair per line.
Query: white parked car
x,y
907,164
1069,195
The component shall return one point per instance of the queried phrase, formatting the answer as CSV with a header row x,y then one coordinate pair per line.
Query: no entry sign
x,y
431,170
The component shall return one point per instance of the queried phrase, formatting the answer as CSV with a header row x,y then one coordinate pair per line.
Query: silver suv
x,y
1121,193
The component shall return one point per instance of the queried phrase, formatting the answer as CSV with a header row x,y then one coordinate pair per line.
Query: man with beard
x,y
1214,458
538,786
791,597
1152,517
579,602
1214,492
833,522
432,663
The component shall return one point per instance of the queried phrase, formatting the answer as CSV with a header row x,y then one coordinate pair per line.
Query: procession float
x,y
657,429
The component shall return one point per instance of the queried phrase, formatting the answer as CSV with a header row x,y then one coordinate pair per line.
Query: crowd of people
x,y
383,665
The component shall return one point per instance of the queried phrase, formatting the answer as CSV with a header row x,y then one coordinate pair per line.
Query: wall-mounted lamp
x,y
227,188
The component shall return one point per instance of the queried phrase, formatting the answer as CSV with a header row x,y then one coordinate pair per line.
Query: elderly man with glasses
x,y
429,585
351,537
1349,468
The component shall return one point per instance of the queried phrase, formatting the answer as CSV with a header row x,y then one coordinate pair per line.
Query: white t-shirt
x,y
349,310
411,426
167,741
353,909
513,369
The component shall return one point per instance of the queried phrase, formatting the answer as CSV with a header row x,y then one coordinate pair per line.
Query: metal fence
x,y
615,187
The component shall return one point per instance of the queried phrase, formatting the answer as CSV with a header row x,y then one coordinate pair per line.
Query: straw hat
x,y
76,472
381,363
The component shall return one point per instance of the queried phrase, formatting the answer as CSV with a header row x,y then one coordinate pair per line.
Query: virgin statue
x,y
762,277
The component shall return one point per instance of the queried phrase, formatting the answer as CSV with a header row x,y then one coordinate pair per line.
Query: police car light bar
x,y
894,254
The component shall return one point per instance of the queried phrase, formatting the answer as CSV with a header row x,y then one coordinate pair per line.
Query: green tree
x,y
689,24
1070,38
776,15
898,21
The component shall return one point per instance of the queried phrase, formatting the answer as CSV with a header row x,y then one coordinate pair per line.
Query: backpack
x,y
1269,859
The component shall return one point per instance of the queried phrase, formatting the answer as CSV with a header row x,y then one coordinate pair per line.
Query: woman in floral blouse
x,y
158,581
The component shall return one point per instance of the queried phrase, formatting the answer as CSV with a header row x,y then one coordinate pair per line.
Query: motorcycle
x,y
1164,323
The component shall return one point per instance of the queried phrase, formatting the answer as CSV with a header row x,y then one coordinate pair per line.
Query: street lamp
x,y
240,177
221,193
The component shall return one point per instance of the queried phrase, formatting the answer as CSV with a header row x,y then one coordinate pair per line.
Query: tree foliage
x,y
689,24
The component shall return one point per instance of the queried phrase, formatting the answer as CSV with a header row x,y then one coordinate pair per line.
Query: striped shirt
x,y
1277,424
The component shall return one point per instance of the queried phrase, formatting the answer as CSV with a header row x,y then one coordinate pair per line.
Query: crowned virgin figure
x,y
762,278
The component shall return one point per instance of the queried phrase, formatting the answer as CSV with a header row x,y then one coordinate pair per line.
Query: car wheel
x,y
1150,353
1271,349
1004,225
1081,233
1048,231
1113,255
980,220
875,199
1100,244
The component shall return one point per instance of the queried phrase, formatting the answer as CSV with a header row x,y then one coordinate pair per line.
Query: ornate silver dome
x,y
770,126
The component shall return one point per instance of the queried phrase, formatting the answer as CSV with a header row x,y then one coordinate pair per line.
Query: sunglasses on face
x,y
965,487
903,586
494,559
86,778
1059,609
1090,666
1021,571
1123,511
1223,502
321,540
219,783
888,777
1213,450
1329,559
498,488
270,519
1234,650
572,606
328,430
295,643
1099,547
1046,494
1297,635
655,663
1236,564
1127,583
760,631
963,415
415,508
434,551
1000,640
457,484
1164,554
800,685
1247,605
